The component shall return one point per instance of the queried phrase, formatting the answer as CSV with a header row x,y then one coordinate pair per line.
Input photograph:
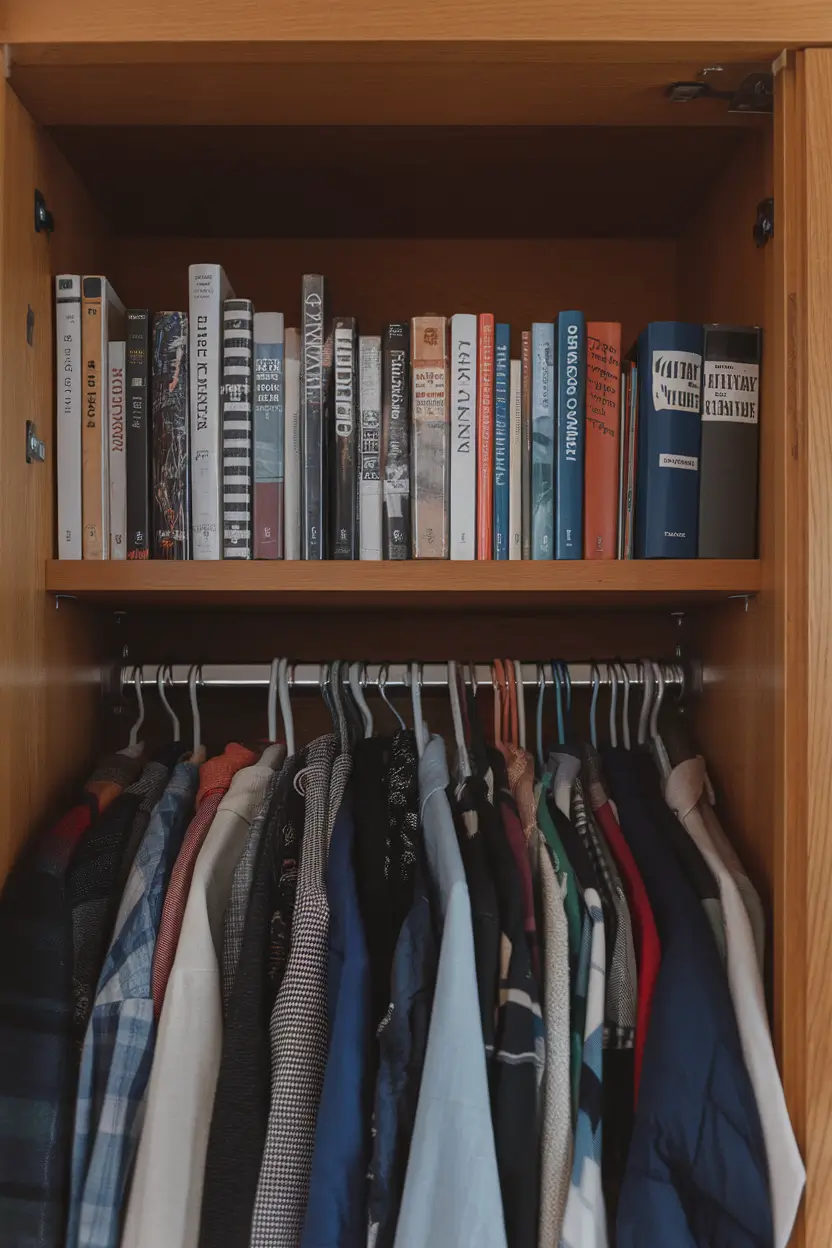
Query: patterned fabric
x,y
517,839
235,914
215,777
37,1055
166,757
299,1033
118,1047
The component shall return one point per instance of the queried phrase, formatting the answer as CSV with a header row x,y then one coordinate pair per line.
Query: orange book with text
x,y
485,436
603,434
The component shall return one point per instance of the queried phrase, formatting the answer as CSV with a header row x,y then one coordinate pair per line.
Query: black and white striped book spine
x,y
237,427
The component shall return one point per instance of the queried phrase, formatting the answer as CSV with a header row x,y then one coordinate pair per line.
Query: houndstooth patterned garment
x,y
299,1024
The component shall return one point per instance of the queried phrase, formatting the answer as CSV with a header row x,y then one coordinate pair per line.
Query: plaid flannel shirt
x,y
118,1047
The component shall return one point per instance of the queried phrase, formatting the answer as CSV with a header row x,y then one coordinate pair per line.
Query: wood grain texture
x,y
48,675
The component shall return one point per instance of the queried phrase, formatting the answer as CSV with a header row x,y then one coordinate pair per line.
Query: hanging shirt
x,y
684,791
39,1059
118,1047
469,808
451,1192
166,1191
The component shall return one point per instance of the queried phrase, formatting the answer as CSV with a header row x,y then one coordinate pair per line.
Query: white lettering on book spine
x,y
731,392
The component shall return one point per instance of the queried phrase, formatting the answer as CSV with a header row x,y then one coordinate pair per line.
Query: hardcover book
x,y
502,350
370,505
209,288
543,441
68,374
171,458
395,442
463,497
312,411
631,462
431,437
138,434
730,442
526,440
102,321
292,480
603,439
485,436
571,429
268,435
515,460
118,452
344,537
669,439
237,427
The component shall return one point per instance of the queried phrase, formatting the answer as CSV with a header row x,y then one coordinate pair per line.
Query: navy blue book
x,y
669,440
570,388
502,351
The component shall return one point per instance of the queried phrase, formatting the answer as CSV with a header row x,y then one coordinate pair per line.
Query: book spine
x,y
138,439
485,436
730,442
68,373
603,439
344,539
502,349
624,410
543,441
669,436
117,451
632,464
571,436
237,427
526,438
431,437
171,458
395,442
268,435
209,288
292,482
313,397
463,495
370,501
515,460
96,485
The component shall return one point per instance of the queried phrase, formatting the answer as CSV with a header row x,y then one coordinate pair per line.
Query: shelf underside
x,y
414,585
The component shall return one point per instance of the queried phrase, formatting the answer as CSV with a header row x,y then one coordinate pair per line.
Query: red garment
x,y
645,935
215,778
517,841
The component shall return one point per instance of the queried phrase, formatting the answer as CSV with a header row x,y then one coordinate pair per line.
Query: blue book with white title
x,y
543,441
502,352
669,440
570,382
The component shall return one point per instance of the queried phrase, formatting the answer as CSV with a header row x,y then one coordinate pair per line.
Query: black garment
x,y
241,1105
385,787
519,1028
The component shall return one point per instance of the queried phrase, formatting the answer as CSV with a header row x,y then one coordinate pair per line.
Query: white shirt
x,y
787,1175
166,1196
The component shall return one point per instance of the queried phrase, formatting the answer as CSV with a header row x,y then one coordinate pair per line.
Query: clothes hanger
x,y
612,677
541,694
323,686
272,700
521,702
137,684
659,750
382,685
625,711
496,672
463,759
338,693
161,677
567,682
283,686
646,699
192,678
416,698
358,679
556,678
512,702
593,705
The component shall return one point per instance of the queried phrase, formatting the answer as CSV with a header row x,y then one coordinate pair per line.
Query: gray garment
x,y
299,1023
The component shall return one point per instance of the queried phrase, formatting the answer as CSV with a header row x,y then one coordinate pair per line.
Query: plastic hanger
x,y
625,710
463,759
338,696
161,677
323,686
521,702
512,702
283,684
660,752
496,674
272,704
416,698
541,694
192,678
556,677
358,678
137,684
382,685
612,677
646,699
593,706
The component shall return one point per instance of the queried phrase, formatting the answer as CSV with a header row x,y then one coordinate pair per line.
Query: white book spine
x,y
209,287
117,451
515,459
369,488
291,447
68,374
464,436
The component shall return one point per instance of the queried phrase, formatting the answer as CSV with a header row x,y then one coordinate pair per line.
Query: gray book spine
x,y
268,435
313,401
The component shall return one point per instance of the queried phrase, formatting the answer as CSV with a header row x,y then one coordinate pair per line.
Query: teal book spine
x,y
571,435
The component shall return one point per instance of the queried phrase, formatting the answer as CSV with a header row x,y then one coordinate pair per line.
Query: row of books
x,y
219,433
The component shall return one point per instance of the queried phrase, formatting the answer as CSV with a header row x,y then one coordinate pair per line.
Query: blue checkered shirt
x,y
118,1046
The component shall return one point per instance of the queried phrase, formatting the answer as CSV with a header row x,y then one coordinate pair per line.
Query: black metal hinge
x,y
764,225
755,94
44,221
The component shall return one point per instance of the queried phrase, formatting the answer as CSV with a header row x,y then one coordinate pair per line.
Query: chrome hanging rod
x,y
583,674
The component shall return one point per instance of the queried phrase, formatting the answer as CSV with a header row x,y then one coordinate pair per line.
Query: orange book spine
x,y
485,436
603,433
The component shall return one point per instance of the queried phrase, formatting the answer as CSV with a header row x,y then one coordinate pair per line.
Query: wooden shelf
x,y
415,585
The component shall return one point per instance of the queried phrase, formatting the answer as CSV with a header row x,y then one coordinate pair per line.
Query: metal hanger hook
x,y
593,705
195,671
383,672
162,675
612,677
137,684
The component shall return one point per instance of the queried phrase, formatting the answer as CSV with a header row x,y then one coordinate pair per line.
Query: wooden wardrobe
x,y
455,155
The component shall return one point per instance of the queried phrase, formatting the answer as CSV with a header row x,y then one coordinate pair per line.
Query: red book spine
x,y
603,431
485,436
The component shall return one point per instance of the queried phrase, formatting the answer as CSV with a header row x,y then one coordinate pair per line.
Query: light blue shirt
x,y
452,1189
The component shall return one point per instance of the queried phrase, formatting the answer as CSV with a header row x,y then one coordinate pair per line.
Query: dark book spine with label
x,y
344,536
268,435
138,437
237,427
313,403
171,454
396,441
571,435
669,439
728,469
